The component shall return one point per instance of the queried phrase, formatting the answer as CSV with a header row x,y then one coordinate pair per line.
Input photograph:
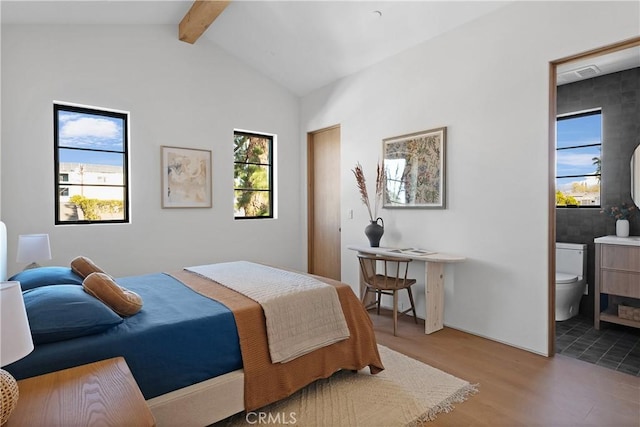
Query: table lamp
x,y
32,248
15,343
3,250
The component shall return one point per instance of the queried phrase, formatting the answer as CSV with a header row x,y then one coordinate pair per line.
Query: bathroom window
x,y
578,159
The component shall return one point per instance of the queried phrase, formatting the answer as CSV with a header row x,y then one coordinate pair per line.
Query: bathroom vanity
x,y
617,277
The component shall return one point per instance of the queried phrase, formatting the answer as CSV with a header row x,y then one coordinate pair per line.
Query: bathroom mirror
x,y
635,176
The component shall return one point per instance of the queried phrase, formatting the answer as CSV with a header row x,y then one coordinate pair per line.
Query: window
x,y
91,166
253,175
578,159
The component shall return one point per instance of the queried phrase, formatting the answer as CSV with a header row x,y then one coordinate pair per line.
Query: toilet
x,y
571,278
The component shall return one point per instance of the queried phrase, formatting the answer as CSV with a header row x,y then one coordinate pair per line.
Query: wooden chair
x,y
391,279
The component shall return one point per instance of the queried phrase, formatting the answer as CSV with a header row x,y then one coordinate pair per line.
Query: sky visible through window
x,y
93,132
575,132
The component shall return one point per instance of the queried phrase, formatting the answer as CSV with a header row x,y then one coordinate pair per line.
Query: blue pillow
x,y
62,312
43,276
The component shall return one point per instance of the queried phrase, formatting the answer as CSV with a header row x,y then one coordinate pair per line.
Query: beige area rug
x,y
406,393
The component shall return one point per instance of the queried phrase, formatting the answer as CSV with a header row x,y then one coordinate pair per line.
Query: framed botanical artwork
x,y
414,170
186,177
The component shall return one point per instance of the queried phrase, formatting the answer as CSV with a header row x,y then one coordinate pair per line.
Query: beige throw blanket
x,y
266,382
302,314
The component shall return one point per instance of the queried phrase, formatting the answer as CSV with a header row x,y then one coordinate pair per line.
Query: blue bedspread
x,y
179,338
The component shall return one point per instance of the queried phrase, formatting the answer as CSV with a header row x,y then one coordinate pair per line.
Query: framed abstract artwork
x,y
414,170
186,177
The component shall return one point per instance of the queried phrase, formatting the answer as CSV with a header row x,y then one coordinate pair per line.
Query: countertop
x,y
615,240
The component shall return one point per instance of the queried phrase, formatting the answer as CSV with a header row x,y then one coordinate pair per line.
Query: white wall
x,y
178,94
488,83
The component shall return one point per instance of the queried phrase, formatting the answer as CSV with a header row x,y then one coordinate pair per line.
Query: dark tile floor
x,y
613,346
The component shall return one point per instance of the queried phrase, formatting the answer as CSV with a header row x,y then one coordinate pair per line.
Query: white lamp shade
x,y
3,250
15,334
33,247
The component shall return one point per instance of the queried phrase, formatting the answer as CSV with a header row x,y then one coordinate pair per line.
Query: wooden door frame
x,y
311,192
553,101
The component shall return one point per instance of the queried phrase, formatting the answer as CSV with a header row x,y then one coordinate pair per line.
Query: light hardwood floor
x,y
516,387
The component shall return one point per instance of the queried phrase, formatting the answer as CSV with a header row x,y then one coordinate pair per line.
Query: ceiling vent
x,y
577,74
587,72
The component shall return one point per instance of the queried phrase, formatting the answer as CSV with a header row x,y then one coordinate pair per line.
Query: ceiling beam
x,y
199,17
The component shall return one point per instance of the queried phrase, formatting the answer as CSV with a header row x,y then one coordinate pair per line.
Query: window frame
x,y
59,183
575,115
271,167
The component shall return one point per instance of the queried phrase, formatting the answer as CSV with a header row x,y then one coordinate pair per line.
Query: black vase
x,y
374,232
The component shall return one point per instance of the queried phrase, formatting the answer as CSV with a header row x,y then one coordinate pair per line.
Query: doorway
x,y
323,166
567,70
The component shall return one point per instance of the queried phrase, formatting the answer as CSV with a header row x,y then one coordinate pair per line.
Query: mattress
x,y
179,338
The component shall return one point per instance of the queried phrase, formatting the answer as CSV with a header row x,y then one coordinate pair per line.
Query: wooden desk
x,y
102,394
434,281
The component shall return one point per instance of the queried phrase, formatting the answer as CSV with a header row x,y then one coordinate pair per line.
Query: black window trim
x,y
271,190
98,111
576,115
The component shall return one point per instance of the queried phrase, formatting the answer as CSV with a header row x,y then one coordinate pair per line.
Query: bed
x,y
199,350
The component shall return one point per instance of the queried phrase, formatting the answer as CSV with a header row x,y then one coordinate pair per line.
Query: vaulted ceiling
x,y
302,45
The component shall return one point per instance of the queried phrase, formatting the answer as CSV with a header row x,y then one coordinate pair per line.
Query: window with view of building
x,y
91,166
253,175
578,159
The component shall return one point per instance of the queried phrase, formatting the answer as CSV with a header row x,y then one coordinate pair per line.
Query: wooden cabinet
x,y
98,394
617,277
